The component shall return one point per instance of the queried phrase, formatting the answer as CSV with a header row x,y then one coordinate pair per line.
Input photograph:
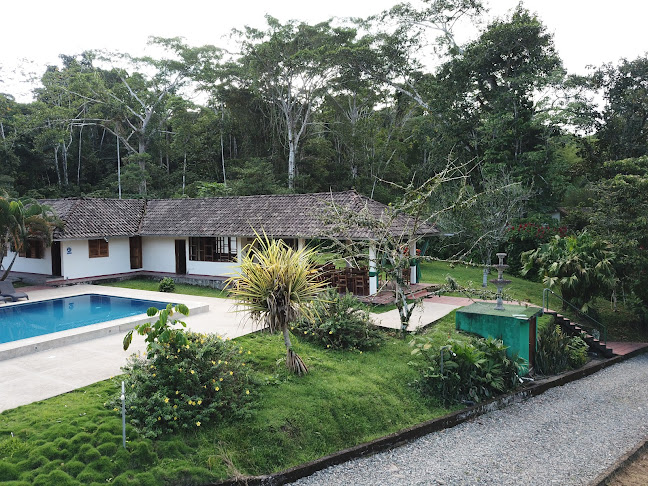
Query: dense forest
x,y
352,104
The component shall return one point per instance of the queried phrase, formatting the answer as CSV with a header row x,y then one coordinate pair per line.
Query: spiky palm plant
x,y
277,285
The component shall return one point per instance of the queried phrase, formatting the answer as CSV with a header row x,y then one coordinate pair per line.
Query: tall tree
x,y
290,65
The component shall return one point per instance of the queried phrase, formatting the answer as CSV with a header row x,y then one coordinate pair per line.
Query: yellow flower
x,y
159,418
177,392
221,379
216,388
247,392
240,351
219,361
328,345
153,374
192,372
231,372
116,409
199,402
175,418
305,332
242,364
175,406
330,332
197,424
166,400
213,362
249,352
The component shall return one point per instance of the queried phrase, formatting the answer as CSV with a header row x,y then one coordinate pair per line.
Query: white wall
x,y
158,254
76,262
42,266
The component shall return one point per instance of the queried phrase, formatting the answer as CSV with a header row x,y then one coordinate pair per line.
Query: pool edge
x,y
46,342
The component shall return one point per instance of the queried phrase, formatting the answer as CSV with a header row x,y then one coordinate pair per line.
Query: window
x,y
219,249
97,248
34,248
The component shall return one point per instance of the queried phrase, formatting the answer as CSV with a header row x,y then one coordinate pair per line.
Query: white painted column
x,y
240,245
412,251
373,270
301,243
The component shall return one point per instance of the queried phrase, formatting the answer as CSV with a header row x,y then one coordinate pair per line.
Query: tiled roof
x,y
96,218
281,215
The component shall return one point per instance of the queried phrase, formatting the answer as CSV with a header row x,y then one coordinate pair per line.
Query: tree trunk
x,y
79,162
223,145
291,163
56,165
142,165
184,173
293,361
13,260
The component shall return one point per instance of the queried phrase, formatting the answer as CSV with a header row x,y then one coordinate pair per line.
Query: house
x,y
194,239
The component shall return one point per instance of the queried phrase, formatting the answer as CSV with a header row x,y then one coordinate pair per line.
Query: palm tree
x,y
277,285
580,266
20,221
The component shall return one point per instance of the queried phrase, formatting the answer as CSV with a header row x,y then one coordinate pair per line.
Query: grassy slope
x,y
348,398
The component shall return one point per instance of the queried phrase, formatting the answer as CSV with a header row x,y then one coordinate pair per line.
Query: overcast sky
x,y
586,31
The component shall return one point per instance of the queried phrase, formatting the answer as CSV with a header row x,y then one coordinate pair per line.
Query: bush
x,y
469,371
167,284
186,387
339,322
577,349
557,352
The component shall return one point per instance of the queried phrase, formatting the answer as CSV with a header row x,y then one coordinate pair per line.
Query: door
x,y
181,257
135,252
56,258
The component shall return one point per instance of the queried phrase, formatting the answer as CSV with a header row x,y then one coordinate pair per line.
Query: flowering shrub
x,y
187,387
528,236
339,322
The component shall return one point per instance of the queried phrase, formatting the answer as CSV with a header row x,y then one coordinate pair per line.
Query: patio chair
x,y
3,299
7,290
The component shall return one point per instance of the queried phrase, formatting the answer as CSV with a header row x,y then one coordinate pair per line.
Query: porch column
x,y
240,244
412,250
301,243
373,271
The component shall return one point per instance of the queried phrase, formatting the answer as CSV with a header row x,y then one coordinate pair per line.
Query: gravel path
x,y
566,436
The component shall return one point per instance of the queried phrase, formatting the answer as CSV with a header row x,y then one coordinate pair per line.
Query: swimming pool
x,y
32,319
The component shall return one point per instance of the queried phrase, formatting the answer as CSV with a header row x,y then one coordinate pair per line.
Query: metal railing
x,y
598,329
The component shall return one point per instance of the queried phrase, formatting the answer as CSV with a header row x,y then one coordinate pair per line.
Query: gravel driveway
x,y
566,436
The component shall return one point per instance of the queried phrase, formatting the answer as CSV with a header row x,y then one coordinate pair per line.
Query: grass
x,y
346,399
151,284
471,277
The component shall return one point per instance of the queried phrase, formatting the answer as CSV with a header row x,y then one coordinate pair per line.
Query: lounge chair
x,y
7,290
3,299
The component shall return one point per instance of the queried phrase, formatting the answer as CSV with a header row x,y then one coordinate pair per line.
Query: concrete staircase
x,y
573,329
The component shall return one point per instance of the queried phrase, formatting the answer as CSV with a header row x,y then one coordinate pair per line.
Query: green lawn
x,y
471,277
346,399
151,284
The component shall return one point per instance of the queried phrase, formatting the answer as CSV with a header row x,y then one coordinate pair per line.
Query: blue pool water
x,y
37,318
